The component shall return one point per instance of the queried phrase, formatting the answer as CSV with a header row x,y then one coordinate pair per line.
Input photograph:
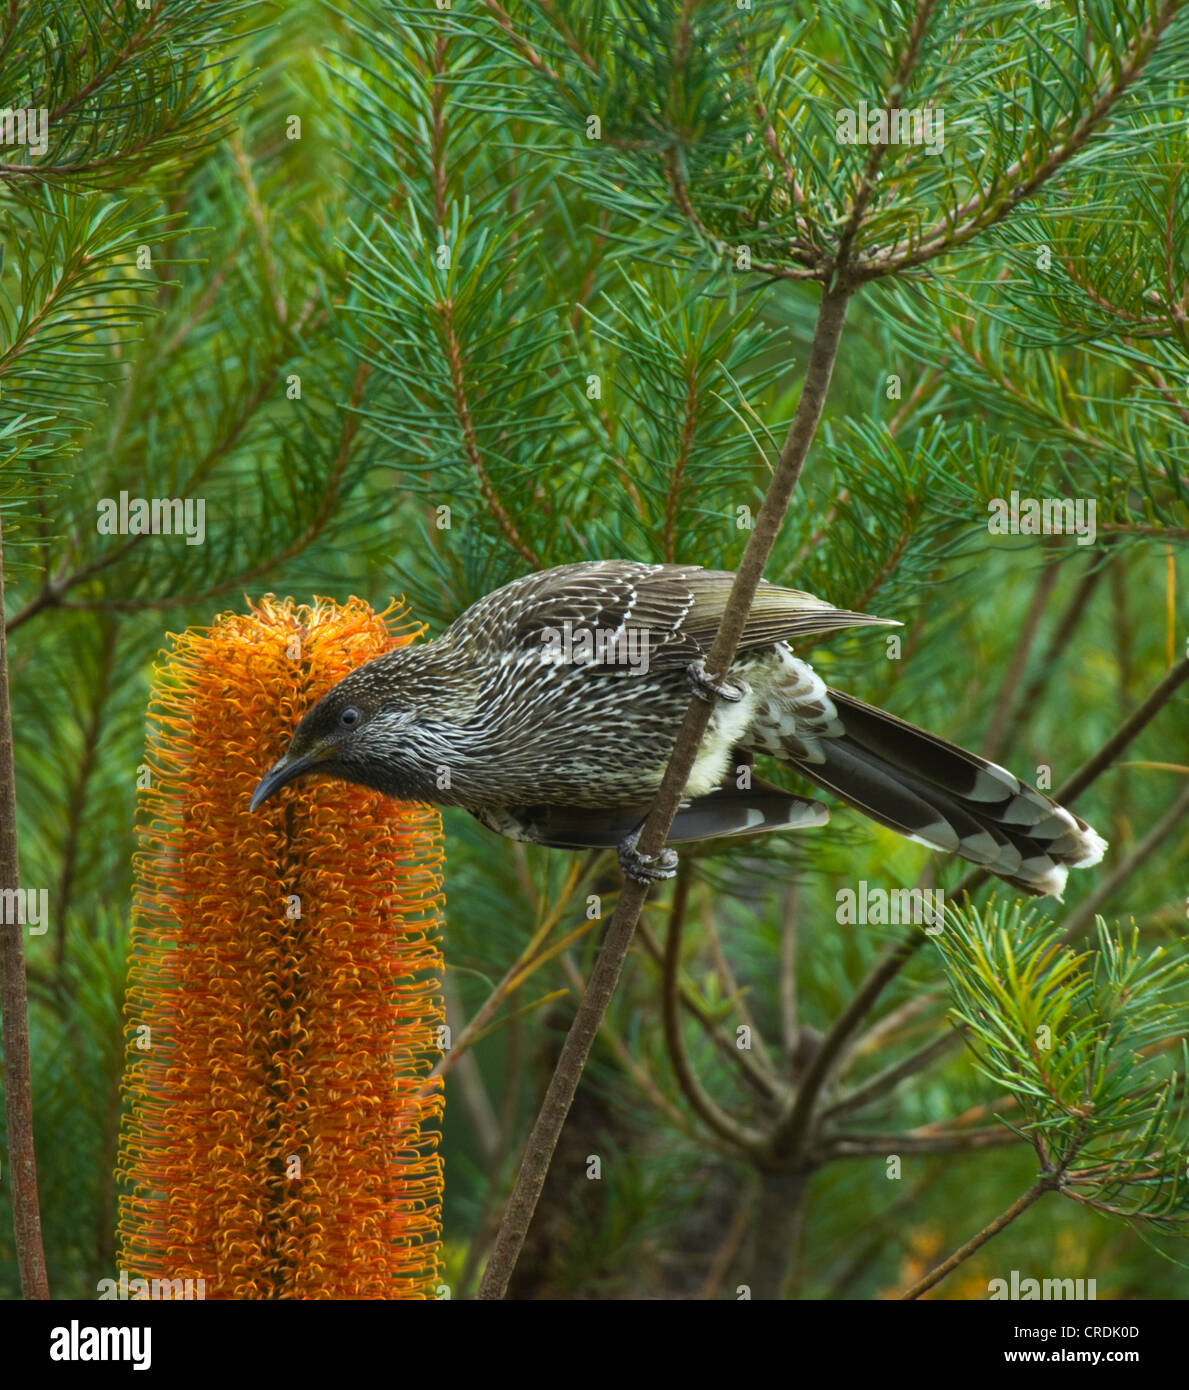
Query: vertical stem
x,y
1021,1204
703,1104
564,1082
777,1232
994,739
14,1012
790,924
1025,702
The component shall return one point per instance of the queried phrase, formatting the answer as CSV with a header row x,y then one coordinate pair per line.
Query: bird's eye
x,y
349,717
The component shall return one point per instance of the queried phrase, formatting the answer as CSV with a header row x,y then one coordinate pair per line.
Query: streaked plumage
x,y
566,745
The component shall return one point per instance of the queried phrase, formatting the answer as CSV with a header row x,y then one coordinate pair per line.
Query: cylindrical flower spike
x,y
284,994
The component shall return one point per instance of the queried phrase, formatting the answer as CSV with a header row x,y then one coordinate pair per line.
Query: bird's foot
x,y
645,868
710,688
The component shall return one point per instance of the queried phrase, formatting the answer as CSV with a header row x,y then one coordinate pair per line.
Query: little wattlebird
x,y
549,710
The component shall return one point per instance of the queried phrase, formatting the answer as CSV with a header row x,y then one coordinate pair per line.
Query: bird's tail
x,y
942,796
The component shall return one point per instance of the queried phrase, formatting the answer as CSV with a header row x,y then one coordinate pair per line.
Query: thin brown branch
x,y
1067,625
470,440
485,1226
1136,528
469,1080
259,221
912,1142
455,356
764,1082
200,307
890,1224
568,36
790,918
713,1116
887,1080
564,1083
1124,734
516,973
994,740
878,151
27,327
56,587
1175,818
790,1135
891,560
926,383
1115,311
1020,1205
639,1074
437,148
689,429
14,1016
154,20
590,277
794,1128
989,1110
1172,399
731,1244
788,172
77,799
731,988
522,45
874,1038
1020,181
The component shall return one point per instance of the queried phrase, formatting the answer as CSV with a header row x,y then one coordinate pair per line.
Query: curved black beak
x,y
279,775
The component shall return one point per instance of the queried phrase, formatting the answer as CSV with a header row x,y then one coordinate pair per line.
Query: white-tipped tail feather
x,y
920,785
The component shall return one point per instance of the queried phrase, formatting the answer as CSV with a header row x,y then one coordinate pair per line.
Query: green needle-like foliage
x,y
418,300
1080,1039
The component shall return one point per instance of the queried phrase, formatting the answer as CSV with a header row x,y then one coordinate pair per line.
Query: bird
x,y
550,707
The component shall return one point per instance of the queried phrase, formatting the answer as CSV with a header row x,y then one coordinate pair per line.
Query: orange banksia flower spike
x,y
284,989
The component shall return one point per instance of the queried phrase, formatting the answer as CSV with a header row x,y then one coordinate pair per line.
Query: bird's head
x,y
360,731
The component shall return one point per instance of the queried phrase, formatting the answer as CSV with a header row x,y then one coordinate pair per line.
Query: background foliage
x,y
435,336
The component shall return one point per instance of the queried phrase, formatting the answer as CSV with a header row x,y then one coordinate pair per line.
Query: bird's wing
x,y
777,614
678,607
758,810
